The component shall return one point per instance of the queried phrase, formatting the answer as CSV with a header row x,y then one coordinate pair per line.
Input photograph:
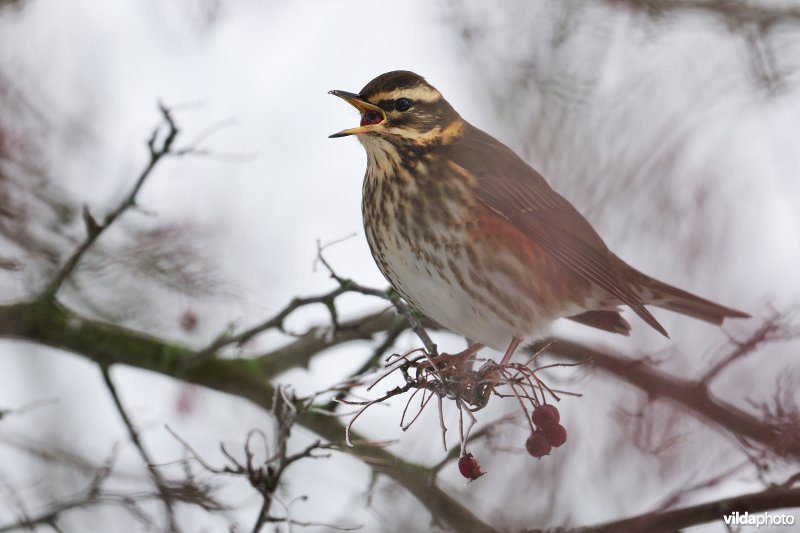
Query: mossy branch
x,y
47,323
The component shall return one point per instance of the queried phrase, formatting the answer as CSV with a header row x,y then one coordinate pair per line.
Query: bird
x,y
475,239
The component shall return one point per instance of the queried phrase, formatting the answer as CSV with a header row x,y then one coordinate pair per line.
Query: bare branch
x,y
735,13
91,495
691,394
266,477
676,519
395,330
159,481
329,300
95,494
95,229
26,408
277,321
391,295
774,328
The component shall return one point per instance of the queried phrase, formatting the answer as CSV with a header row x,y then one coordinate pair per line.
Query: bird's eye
x,y
402,104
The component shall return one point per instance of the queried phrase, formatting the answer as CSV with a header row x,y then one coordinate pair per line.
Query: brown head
x,y
402,108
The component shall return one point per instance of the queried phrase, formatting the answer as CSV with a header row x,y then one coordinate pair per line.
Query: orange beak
x,y
371,115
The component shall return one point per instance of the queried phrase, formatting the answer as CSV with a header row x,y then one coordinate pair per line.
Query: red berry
x,y
469,467
555,435
537,445
545,416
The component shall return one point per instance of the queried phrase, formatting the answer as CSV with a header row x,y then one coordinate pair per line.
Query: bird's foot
x,y
512,347
453,361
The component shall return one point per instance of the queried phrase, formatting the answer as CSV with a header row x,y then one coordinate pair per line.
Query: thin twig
x,y
92,495
159,482
275,322
197,457
390,295
329,301
95,229
392,335
28,407
771,329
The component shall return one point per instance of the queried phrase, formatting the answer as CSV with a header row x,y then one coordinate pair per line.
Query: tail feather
x,y
683,302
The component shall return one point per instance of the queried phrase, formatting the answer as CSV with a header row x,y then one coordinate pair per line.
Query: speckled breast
x,y
450,257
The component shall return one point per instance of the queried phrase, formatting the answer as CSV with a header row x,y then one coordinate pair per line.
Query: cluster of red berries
x,y
549,433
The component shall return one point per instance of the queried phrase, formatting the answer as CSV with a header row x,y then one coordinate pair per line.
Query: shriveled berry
x,y
469,467
555,435
537,445
545,416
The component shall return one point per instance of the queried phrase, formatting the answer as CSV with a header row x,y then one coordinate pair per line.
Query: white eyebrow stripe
x,y
420,93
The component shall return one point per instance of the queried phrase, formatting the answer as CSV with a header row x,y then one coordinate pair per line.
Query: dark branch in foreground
x,y
49,324
673,520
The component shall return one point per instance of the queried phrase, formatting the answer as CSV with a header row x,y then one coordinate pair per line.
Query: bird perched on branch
x,y
473,237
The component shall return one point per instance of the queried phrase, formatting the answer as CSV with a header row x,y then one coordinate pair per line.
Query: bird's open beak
x,y
371,115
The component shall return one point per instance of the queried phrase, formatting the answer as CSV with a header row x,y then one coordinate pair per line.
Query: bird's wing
x,y
515,191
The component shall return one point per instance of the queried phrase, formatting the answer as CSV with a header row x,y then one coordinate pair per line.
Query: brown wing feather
x,y
611,321
512,189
